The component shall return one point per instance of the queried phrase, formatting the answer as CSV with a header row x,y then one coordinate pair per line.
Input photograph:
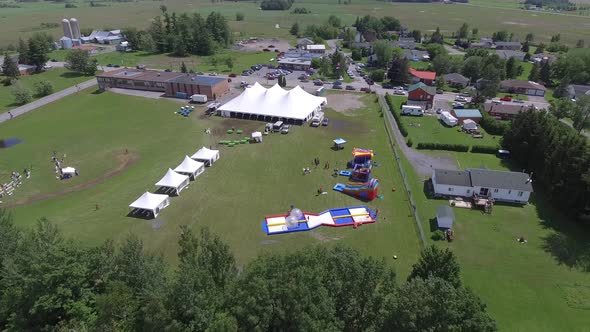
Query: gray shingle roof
x,y
444,216
456,77
453,178
500,179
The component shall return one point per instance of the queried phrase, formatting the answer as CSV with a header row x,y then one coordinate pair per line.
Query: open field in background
x,y
232,197
22,22
61,78
530,287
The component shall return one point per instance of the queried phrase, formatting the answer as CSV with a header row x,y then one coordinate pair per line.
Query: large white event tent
x,y
190,167
273,104
174,181
151,202
207,156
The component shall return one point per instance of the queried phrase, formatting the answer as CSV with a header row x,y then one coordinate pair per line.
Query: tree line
x,y
181,34
50,283
276,4
558,157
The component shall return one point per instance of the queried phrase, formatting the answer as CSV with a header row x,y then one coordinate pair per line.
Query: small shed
x,y
469,125
444,217
257,137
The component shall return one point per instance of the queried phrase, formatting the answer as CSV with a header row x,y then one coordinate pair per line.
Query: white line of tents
x,y
174,181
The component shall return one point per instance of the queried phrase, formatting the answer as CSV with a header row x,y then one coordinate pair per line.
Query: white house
x,y
512,187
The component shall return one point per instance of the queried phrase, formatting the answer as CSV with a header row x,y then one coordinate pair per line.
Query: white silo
x,y
67,28
75,28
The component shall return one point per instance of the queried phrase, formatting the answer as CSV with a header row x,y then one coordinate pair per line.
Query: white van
x,y
412,110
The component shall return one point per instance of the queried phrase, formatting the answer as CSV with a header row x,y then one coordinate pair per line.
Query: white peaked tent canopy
x,y
173,180
275,102
151,202
68,170
190,167
206,155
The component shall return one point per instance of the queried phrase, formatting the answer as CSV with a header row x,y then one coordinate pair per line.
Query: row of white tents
x,y
175,181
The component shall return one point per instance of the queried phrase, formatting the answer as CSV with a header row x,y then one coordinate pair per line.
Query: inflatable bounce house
x,y
298,221
362,186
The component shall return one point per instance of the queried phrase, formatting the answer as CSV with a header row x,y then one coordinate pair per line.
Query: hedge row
x,y
485,149
440,146
493,126
396,116
458,147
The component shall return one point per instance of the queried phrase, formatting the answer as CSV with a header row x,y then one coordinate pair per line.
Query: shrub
x,y
377,75
493,126
70,5
396,116
43,88
438,235
239,16
409,142
301,10
21,94
440,146
357,55
485,149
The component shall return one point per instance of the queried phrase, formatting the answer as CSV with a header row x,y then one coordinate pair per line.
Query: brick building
x,y
169,83
422,95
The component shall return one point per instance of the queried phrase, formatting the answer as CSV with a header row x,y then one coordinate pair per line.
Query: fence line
x,y
389,125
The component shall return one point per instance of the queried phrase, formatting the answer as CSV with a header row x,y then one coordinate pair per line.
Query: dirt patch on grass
x,y
124,159
345,103
258,45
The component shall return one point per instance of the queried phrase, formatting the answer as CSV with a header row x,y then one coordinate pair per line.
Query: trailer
x,y
317,119
448,119
412,110
199,98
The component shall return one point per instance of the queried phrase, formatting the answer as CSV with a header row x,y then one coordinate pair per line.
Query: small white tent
x,y
469,124
257,137
190,167
173,180
206,155
153,203
68,170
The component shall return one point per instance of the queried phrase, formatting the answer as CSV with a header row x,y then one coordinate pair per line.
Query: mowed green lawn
x,y
429,129
527,287
61,78
232,197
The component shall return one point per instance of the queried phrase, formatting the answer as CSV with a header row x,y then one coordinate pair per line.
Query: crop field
x,y
498,15
122,145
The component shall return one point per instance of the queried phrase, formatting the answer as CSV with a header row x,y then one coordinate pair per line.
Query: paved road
x,y
422,163
452,50
584,132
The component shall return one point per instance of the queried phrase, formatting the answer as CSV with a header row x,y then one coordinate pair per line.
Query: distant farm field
x,y
22,22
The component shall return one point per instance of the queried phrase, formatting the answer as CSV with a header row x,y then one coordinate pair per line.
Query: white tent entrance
x,y
190,167
173,181
206,156
150,203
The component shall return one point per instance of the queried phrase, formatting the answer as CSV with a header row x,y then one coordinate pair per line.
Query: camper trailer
x,y
412,110
317,119
199,98
448,119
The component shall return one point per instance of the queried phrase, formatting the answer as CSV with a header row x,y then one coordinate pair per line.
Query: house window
x,y
469,191
495,190
450,188
520,193
509,192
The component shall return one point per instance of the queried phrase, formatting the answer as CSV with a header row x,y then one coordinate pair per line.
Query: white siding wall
x,y
445,189
508,195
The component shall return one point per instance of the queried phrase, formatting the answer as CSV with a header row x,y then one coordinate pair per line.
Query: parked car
x,y
232,75
399,92
320,83
212,74
350,87
439,92
520,101
243,84
337,87
117,66
325,122
200,73
271,46
387,86
337,83
140,66
365,89
506,98
266,50
458,105
285,129
246,73
302,76
53,60
497,102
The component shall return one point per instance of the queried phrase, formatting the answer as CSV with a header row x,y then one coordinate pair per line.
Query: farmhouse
x,y
575,91
421,95
513,187
504,111
426,77
171,83
467,114
405,43
456,80
274,104
507,54
522,87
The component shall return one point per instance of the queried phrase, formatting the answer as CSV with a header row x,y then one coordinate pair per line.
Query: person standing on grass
x,y
10,114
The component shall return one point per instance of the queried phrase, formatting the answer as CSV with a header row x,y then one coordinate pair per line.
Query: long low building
x,y
274,104
171,84
522,87
512,187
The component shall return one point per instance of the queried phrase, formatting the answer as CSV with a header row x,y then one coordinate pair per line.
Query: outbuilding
x,y
467,114
444,217
528,88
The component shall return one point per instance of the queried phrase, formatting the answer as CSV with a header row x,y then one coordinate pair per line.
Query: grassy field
x,y
24,21
60,78
531,287
232,197
429,129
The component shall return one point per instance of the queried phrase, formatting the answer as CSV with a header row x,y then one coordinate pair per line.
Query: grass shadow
x,y
71,74
144,215
433,224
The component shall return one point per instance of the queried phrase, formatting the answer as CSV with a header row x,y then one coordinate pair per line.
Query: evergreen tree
x,y
398,71
535,73
437,37
294,29
37,55
435,262
463,32
545,72
229,62
23,52
183,68
529,37
9,69
580,43
525,47
511,68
